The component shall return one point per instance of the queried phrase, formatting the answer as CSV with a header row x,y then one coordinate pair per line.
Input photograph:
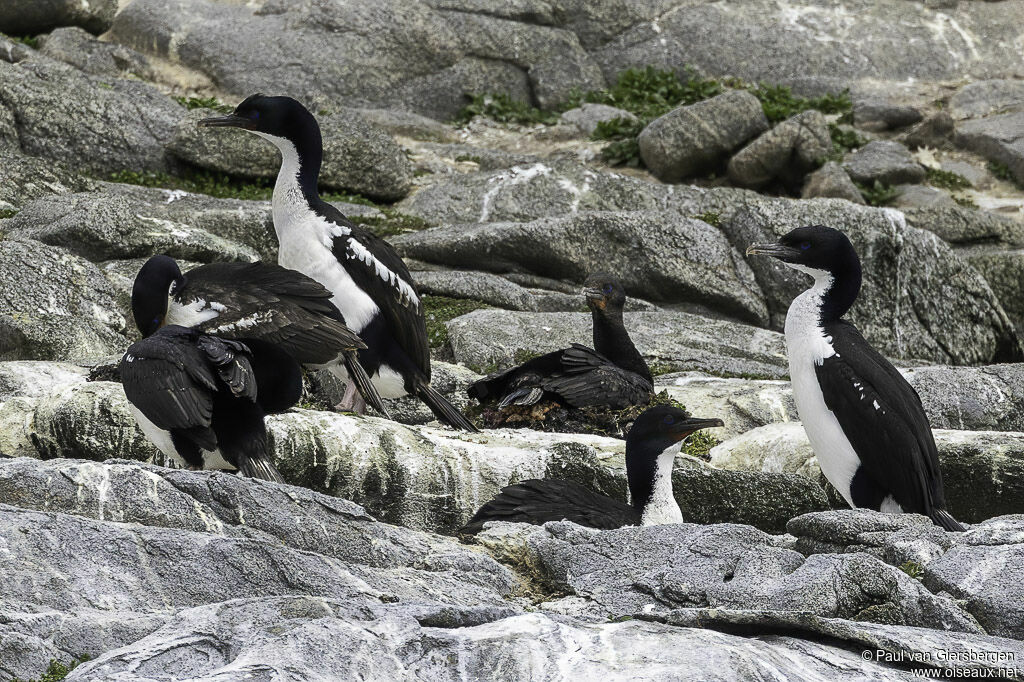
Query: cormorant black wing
x,y
538,501
590,379
273,303
378,270
500,384
884,420
168,379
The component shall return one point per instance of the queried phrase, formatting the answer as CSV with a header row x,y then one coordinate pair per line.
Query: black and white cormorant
x,y
253,301
371,285
202,399
613,374
651,447
865,422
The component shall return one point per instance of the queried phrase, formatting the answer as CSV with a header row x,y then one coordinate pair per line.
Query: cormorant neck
x,y
301,158
649,473
836,290
612,341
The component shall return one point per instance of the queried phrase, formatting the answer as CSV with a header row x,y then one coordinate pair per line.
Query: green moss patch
x,y
56,671
191,103
391,223
440,309
504,109
877,194
946,179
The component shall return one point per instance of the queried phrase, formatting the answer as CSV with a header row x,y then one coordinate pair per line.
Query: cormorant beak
x,y
595,296
684,428
780,251
229,121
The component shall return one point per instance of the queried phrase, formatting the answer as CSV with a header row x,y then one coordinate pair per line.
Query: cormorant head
x,y
604,293
152,287
815,249
661,427
275,118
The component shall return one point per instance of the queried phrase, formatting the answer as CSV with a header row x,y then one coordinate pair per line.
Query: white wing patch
x,y
193,313
259,317
406,294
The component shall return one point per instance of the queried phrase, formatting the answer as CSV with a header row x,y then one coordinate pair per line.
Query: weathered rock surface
x,y
109,125
78,48
1003,269
987,97
588,115
106,225
358,156
729,567
998,138
31,177
55,305
787,151
493,340
983,471
698,138
658,256
29,17
964,226
883,161
880,114
831,181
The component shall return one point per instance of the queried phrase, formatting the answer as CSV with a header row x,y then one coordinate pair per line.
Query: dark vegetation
x,y
651,92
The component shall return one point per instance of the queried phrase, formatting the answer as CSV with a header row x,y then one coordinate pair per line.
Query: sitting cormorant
x,y
865,422
252,301
369,281
651,447
201,399
614,375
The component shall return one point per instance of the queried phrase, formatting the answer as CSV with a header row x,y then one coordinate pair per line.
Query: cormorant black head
x,y
150,291
814,247
824,253
604,293
656,430
662,426
281,117
289,125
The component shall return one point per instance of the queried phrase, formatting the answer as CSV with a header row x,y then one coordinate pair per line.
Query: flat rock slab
x,y
730,567
999,138
495,340
658,256
30,177
982,471
883,161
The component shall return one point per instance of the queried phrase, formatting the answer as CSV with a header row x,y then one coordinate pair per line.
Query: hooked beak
x,y
780,251
229,121
684,428
595,296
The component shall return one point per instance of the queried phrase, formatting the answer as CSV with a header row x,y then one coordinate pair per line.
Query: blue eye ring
x,y
669,419
804,246
607,289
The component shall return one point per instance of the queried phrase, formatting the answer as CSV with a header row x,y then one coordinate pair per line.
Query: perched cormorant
x,y
651,447
614,375
371,285
865,422
253,301
201,399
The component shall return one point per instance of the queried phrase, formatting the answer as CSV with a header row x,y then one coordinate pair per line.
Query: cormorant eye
x,y
255,114
607,288
669,419
156,321
804,246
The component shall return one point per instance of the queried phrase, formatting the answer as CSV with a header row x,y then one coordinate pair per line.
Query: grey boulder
x,y
831,181
106,225
586,116
76,47
56,305
694,139
494,340
880,114
999,138
883,161
108,125
787,152
29,17
659,256
987,97
31,177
